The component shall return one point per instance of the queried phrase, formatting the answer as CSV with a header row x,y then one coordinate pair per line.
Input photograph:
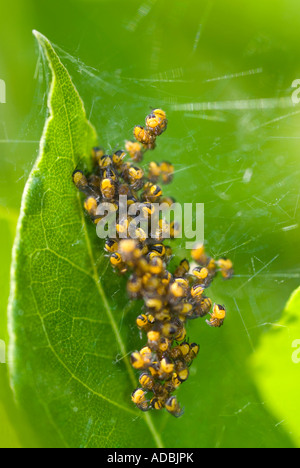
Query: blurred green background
x,y
239,156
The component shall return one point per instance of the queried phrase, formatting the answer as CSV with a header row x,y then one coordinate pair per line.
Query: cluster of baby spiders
x,y
170,300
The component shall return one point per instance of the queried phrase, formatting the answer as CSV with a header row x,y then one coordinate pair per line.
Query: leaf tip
x,y
35,33
39,37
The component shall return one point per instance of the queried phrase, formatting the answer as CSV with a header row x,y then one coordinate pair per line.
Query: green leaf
x,y
68,350
276,368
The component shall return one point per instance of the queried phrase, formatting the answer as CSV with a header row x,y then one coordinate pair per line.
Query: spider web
x,y
232,137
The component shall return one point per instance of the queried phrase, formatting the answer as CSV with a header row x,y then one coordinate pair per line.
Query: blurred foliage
x,y
14,429
8,436
243,164
276,368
